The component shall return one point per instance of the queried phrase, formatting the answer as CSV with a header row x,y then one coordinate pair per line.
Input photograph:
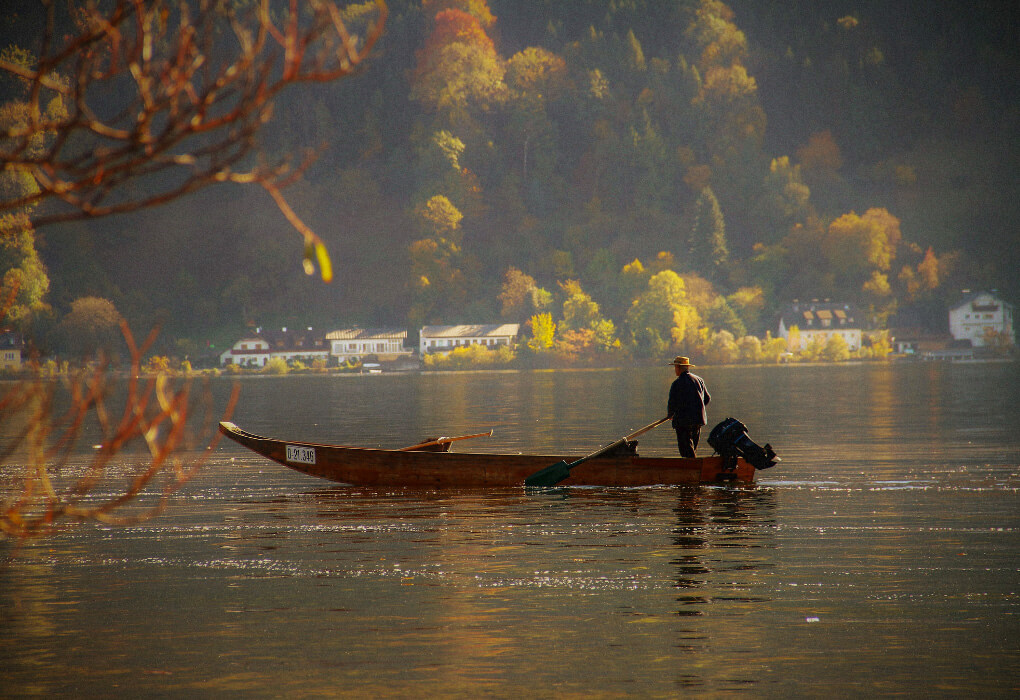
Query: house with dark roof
x,y
443,339
12,350
802,323
981,318
256,349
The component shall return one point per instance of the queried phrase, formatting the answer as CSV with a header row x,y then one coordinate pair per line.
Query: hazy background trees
x,y
757,152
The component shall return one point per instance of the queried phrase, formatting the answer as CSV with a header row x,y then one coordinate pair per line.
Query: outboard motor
x,y
730,440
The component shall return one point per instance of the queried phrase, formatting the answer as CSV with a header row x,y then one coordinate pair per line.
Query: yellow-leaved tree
x,y
661,318
543,332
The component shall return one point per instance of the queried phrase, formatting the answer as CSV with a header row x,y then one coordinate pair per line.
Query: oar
x,y
555,473
440,441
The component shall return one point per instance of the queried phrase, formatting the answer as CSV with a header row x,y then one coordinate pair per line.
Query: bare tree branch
x,y
38,496
154,99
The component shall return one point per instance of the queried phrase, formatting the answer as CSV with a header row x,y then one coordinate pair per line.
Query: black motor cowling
x,y
730,439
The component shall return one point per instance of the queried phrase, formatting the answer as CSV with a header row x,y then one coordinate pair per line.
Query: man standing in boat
x,y
688,397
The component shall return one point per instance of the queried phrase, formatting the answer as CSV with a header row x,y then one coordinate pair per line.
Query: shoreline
x,y
220,373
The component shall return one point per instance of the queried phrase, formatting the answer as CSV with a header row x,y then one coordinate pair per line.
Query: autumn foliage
x,y
458,67
768,160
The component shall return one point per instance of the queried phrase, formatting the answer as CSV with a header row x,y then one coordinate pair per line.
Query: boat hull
x,y
436,470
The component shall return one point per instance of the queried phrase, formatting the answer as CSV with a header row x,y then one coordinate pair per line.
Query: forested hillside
x,y
621,173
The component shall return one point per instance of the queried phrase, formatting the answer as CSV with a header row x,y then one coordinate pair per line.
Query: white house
x,y
11,350
257,349
386,343
249,351
447,338
819,321
980,317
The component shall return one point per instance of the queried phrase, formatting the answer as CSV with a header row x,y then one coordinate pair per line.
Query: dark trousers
x,y
687,437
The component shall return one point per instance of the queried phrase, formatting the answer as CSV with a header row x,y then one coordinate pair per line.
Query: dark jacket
x,y
687,400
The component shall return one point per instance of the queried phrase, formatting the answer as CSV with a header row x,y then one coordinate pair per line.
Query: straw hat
x,y
681,361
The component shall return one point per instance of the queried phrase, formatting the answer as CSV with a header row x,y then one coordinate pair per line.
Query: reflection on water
x,y
721,531
879,557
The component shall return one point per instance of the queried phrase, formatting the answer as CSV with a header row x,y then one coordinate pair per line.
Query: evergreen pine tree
x,y
707,243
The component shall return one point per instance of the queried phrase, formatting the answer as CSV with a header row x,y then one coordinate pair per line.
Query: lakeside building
x,y
258,348
914,340
12,350
802,323
443,339
385,343
249,351
983,319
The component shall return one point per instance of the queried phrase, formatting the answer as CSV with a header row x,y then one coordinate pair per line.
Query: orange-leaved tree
x,y
458,68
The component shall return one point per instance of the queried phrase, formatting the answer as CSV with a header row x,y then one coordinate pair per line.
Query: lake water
x,y
880,558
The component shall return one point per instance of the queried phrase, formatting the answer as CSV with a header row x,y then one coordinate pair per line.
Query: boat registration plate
x,y
304,455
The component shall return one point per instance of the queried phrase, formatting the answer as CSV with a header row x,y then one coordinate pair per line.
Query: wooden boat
x,y
431,465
